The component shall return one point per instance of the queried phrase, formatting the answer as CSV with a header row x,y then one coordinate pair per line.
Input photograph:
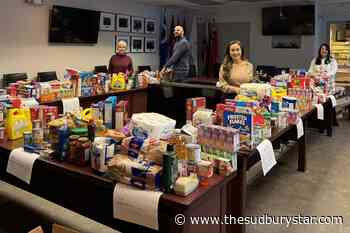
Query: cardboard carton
x,y
55,229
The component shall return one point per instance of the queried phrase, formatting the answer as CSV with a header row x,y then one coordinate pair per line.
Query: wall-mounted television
x,y
72,25
289,20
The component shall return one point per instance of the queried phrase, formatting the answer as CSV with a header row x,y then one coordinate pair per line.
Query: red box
x,y
46,112
35,113
193,104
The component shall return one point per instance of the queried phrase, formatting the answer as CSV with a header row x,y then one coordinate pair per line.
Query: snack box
x,y
193,104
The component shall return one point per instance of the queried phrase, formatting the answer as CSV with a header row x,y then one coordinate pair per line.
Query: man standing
x,y
180,61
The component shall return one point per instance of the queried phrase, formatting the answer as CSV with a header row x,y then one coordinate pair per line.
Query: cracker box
x,y
193,104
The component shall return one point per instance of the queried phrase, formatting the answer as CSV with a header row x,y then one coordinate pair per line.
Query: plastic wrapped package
x,y
203,116
135,172
255,90
153,124
152,150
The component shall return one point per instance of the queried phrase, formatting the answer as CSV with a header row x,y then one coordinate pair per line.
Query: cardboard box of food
x,y
55,229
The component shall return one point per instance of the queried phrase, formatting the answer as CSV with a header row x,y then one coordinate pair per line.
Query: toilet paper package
x,y
153,124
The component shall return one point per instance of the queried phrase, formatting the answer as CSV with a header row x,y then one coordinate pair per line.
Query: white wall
x,y
24,43
261,52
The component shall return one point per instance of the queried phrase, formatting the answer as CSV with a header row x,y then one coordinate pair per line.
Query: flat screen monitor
x,y
73,25
289,20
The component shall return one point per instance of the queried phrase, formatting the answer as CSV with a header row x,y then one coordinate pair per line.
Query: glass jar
x,y
83,154
73,147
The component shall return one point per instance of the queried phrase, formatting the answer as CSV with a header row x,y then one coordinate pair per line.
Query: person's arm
x,y
181,49
110,66
334,67
250,72
224,85
312,67
130,67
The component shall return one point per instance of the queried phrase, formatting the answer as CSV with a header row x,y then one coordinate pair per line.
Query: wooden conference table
x,y
137,100
80,190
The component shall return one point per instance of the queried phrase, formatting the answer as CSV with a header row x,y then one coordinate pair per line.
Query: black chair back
x,y
280,69
269,70
143,68
100,69
12,78
47,76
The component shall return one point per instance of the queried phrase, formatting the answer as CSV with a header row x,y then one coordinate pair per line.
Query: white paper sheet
x,y
334,101
21,163
320,111
71,105
136,206
267,155
300,128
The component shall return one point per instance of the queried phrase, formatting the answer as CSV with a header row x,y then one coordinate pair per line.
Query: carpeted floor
x,y
324,190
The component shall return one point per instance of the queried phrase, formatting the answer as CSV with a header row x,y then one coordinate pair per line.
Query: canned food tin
x,y
27,138
38,136
46,134
36,124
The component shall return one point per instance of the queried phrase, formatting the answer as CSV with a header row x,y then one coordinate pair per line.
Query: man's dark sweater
x,y
180,61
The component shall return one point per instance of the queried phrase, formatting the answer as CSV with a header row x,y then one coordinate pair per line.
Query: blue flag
x,y
163,45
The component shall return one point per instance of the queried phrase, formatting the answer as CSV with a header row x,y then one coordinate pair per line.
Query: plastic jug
x,y
18,121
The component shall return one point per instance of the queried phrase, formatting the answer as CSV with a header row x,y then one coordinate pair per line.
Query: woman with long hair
x,y
324,62
235,69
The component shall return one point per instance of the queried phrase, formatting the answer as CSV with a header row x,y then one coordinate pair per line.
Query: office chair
x,y
143,68
12,78
46,76
269,70
280,69
100,69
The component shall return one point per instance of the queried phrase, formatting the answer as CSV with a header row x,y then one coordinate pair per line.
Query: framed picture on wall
x,y
123,23
107,21
137,24
125,38
137,44
150,45
150,26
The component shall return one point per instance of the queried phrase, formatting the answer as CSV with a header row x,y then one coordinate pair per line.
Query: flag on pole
x,y
163,45
171,40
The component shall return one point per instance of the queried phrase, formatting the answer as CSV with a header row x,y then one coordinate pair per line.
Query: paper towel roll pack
x,y
154,124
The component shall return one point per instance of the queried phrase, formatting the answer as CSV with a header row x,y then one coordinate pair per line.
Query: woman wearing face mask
x,y
120,62
235,69
325,63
